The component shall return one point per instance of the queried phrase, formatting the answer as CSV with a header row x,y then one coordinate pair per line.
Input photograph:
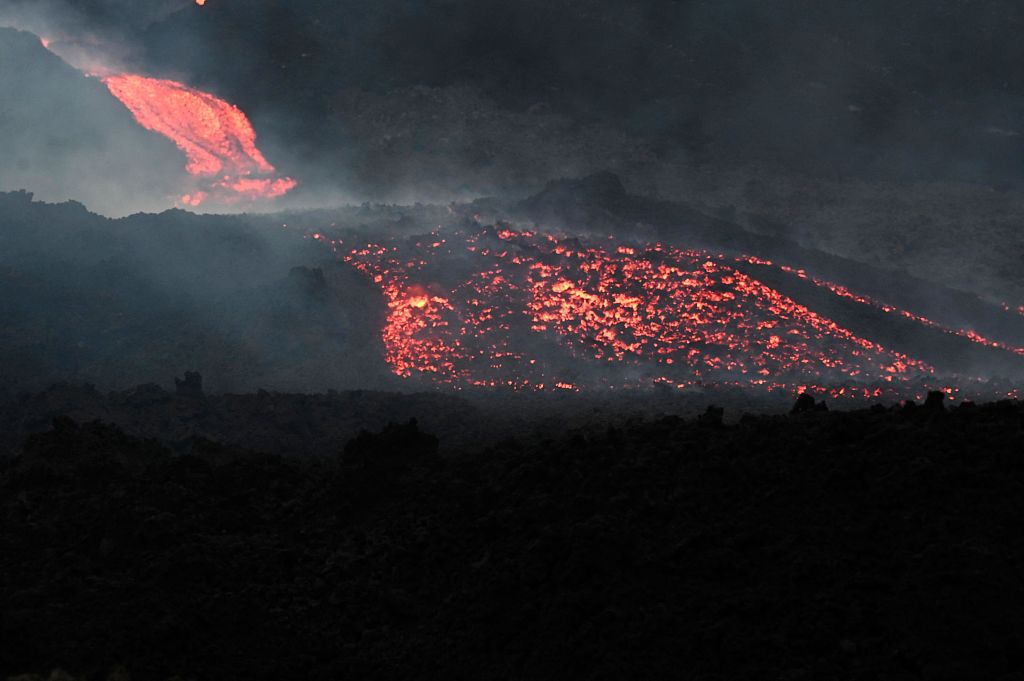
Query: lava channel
x,y
216,137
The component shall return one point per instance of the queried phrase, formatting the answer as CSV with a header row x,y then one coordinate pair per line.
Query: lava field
x,y
527,310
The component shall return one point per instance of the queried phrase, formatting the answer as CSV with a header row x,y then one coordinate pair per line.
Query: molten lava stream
x,y
216,137
526,310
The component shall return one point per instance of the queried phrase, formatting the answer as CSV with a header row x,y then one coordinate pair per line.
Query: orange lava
x,y
216,137
525,310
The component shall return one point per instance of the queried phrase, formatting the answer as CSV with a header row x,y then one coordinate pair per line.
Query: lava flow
x,y
844,292
216,137
525,310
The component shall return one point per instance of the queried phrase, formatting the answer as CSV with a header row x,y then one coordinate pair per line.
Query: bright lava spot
x,y
193,199
216,137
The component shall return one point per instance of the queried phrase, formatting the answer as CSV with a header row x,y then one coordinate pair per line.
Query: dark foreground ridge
x,y
877,544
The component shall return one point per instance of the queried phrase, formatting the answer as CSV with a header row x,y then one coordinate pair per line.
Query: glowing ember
x,y
217,138
519,309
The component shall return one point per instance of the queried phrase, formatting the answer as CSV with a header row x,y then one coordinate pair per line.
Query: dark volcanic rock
x,y
712,417
936,400
805,403
190,386
394,442
593,200
836,545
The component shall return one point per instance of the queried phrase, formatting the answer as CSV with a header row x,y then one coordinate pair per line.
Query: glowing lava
x,y
216,137
526,310
844,292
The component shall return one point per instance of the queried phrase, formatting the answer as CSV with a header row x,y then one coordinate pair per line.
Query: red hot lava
x,y
216,137
526,310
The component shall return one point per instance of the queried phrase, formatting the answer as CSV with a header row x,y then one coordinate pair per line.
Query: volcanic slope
x,y
506,306
948,327
676,298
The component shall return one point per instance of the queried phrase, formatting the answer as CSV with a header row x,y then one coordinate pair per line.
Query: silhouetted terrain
x,y
303,425
865,545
